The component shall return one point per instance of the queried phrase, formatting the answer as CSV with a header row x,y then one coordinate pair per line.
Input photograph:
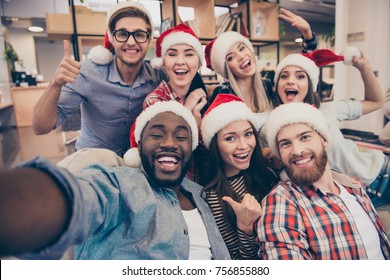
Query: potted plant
x,y
11,57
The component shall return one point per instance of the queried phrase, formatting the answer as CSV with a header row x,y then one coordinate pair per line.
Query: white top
x,y
364,225
200,248
343,154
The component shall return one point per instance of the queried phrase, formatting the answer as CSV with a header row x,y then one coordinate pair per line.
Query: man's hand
x,y
247,212
68,69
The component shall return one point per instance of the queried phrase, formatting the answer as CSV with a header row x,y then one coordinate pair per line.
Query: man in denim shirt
x,y
108,89
119,212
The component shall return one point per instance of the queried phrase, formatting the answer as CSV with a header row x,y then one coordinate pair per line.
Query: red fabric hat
x,y
104,54
207,54
180,34
225,109
318,58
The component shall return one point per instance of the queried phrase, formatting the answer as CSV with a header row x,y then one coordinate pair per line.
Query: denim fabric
x,y
379,190
108,105
117,214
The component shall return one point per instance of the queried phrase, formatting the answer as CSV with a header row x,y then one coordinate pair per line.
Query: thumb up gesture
x,y
68,69
247,212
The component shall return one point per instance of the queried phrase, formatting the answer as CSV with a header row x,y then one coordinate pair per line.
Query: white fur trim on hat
x,y
303,62
166,106
122,5
221,47
100,55
292,113
132,158
224,114
157,62
349,53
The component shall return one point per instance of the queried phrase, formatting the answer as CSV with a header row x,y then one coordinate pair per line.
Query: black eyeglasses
x,y
123,35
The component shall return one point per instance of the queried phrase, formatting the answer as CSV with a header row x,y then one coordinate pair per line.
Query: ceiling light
x,y
35,29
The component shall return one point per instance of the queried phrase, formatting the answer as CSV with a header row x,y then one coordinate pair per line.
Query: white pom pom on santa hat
x,y
349,53
132,158
100,55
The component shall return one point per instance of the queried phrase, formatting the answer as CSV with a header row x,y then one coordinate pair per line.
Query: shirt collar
x,y
146,74
342,179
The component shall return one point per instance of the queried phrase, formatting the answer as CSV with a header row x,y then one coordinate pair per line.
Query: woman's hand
x,y
247,212
195,102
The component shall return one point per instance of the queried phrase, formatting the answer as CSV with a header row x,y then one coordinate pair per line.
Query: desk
x,y
24,100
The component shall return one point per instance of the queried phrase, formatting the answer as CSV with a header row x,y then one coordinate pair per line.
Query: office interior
x,y
337,24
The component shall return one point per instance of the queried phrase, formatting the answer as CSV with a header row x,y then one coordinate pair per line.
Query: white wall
x,y
29,8
372,18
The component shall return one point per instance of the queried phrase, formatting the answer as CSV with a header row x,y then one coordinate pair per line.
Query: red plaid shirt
x,y
304,223
161,93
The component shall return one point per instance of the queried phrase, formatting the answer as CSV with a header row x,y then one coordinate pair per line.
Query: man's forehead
x,y
294,128
167,118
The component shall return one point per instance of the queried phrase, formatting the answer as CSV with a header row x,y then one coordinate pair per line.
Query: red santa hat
x,y
293,113
310,62
105,54
225,109
216,50
180,34
132,157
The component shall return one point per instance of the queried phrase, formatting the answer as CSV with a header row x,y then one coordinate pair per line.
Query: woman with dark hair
x,y
296,79
237,177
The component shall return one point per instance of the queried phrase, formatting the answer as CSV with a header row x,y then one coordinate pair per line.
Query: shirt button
x,y
185,232
173,202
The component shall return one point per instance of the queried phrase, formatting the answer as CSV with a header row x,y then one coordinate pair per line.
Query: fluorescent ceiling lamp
x,y
35,29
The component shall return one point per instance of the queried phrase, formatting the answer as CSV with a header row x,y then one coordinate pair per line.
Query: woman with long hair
x,y
237,177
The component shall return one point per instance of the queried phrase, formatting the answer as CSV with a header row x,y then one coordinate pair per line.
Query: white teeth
x,y
303,161
181,71
167,159
245,63
242,156
131,51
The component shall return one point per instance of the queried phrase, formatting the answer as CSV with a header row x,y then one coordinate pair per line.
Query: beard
x,y
310,175
163,183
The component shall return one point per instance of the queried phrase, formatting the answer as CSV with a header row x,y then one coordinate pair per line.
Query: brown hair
x,y
129,12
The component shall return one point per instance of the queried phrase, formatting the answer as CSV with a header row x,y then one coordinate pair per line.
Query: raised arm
x,y
309,40
34,211
45,111
373,95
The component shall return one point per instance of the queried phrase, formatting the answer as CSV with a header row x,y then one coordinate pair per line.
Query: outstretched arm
x,y
373,94
34,211
45,111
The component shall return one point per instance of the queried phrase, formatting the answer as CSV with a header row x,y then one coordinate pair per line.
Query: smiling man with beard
x,y
315,213
151,212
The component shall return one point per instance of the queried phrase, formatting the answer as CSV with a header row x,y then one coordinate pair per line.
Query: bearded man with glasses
x,y
109,88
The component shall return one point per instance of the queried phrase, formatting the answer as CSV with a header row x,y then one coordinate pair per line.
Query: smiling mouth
x,y
302,161
241,156
167,163
246,64
181,72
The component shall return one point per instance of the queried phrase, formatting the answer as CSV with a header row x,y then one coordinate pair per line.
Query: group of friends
x,y
251,172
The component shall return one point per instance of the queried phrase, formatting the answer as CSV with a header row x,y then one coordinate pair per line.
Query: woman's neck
x,y
180,91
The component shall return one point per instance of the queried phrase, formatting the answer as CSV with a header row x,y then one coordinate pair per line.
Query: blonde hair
x,y
259,102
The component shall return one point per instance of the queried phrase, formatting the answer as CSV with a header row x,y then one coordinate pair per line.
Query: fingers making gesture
x,y
247,212
68,69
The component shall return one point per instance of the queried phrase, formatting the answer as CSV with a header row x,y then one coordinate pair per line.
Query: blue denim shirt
x,y
117,214
108,105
